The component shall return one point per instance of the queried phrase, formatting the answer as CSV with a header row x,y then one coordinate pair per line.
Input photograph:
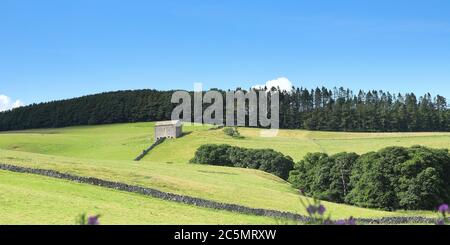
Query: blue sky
x,y
60,49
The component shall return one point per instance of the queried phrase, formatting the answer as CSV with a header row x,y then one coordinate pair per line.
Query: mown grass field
x,y
106,151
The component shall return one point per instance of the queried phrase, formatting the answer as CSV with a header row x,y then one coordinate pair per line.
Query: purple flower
x,y
321,209
302,191
340,222
311,209
440,222
328,222
349,221
443,208
93,220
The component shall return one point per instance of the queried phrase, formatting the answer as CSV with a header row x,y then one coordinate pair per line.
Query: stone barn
x,y
168,129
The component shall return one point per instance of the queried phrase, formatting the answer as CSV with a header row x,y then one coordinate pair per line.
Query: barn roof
x,y
175,123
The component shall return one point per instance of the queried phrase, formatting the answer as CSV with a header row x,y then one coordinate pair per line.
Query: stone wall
x,y
146,151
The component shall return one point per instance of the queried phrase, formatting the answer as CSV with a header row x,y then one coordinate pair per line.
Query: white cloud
x,y
282,82
7,104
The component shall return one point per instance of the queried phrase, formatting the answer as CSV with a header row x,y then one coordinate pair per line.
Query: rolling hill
x,y
106,151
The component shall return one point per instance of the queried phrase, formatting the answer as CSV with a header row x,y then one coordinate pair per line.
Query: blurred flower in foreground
x,y
82,219
316,212
349,221
443,211
93,220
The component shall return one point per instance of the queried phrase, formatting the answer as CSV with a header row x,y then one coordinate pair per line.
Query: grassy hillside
x,y
231,185
107,151
31,199
126,141
115,141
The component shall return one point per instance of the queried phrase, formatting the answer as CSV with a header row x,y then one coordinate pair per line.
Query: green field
x,y
126,141
31,199
106,151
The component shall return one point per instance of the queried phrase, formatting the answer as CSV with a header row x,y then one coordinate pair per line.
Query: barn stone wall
x,y
167,131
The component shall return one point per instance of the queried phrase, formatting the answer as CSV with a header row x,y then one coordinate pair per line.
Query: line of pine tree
x,y
317,109
342,110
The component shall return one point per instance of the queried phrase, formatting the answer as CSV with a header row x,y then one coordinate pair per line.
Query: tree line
x,y
338,109
104,108
266,160
393,178
414,178
374,111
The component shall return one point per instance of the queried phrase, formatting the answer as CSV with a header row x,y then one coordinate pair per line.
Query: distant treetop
x,y
338,109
